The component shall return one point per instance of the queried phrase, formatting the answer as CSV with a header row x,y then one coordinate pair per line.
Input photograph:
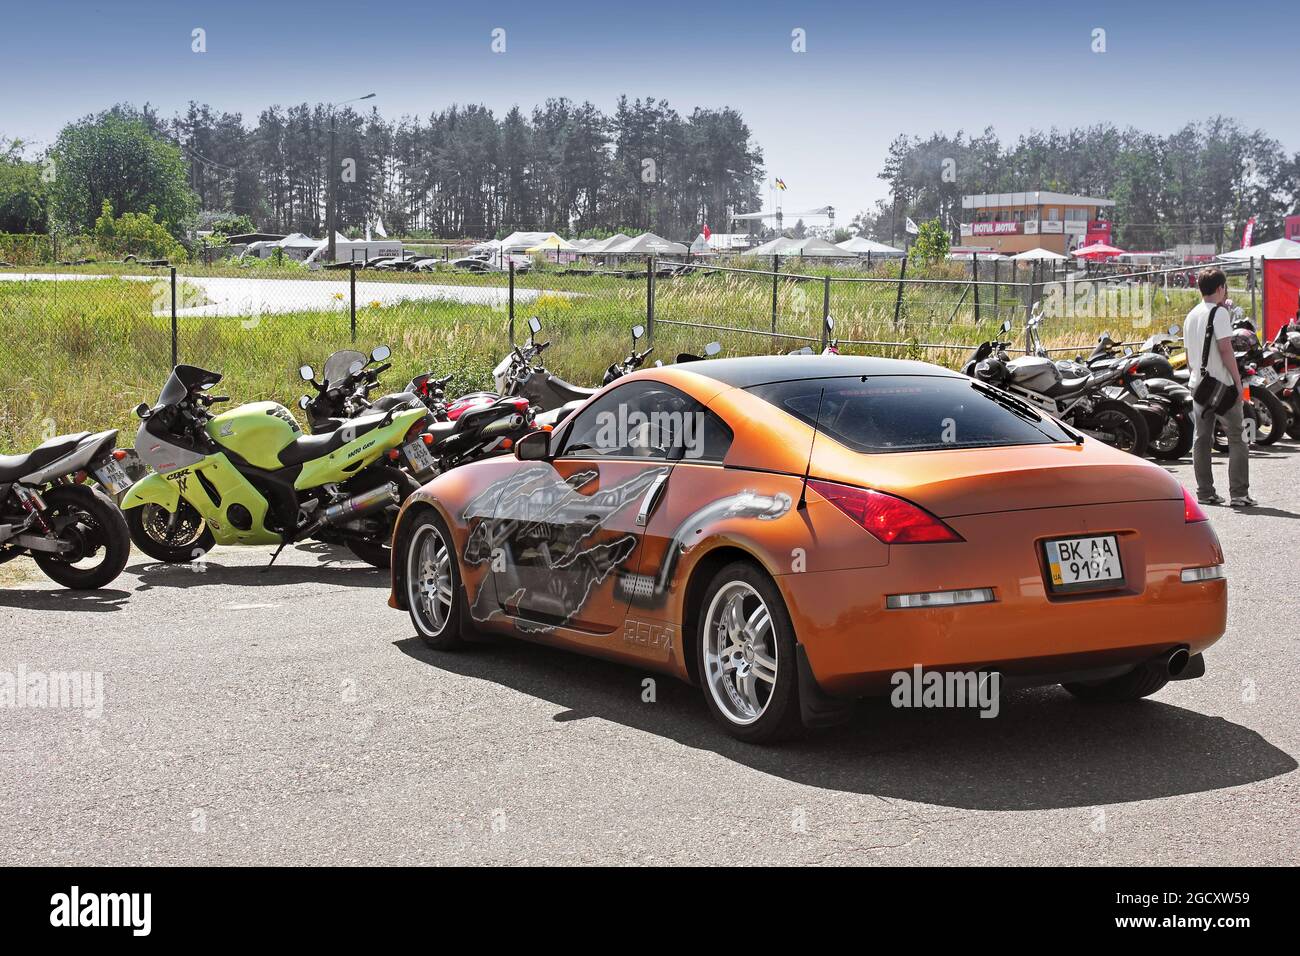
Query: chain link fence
x,y
81,346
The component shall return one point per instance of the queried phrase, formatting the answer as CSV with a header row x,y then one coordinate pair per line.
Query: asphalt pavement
x,y
291,717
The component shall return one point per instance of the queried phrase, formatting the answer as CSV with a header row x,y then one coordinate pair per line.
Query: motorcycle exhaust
x,y
354,507
503,425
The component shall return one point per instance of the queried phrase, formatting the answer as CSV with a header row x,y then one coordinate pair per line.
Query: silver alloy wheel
x,y
428,580
740,652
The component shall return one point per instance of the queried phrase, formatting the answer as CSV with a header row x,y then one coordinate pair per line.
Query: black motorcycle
x,y
48,509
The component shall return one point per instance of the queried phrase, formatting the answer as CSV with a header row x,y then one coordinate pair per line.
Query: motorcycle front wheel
x,y
173,537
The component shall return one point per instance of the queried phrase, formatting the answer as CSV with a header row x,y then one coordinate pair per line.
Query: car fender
x,y
152,489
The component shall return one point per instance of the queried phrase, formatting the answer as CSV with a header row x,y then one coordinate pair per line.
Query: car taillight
x,y
1192,512
890,520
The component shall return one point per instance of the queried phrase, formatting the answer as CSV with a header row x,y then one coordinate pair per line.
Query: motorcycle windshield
x,y
337,365
184,379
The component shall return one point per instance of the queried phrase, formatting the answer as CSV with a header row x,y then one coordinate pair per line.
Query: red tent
x,y
1098,250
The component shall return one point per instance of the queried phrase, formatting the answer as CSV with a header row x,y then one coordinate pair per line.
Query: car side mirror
x,y
380,353
535,446
305,373
712,349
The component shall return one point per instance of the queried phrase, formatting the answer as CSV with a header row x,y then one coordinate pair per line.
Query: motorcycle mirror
x,y
1174,330
141,410
303,402
380,353
305,373
712,349
535,324
1006,326
659,363
1128,351
830,324
355,367
637,332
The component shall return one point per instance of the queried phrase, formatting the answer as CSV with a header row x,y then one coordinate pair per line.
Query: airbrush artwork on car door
x,y
562,534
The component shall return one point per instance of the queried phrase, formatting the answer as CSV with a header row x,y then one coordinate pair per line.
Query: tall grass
x,y
79,355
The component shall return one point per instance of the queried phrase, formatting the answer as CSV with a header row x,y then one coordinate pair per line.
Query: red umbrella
x,y
1098,250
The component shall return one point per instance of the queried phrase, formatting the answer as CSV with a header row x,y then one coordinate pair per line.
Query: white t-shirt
x,y
1194,340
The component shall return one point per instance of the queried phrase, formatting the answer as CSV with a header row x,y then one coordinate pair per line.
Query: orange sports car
x,y
792,532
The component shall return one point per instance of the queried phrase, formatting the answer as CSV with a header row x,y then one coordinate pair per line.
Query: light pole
x,y
332,174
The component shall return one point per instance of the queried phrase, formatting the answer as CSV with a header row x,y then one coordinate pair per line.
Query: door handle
x,y
651,499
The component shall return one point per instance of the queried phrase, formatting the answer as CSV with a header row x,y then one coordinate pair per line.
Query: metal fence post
x,y
174,330
352,285
996,276
975,283
898,302
1253,313
826,306
776,277
1029,289
510,304
650,299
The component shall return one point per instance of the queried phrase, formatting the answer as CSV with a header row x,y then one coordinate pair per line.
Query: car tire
x,y
434,599
1142,681
733,661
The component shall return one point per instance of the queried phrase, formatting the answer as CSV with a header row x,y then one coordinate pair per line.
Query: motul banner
x,y
1249,234
1281,294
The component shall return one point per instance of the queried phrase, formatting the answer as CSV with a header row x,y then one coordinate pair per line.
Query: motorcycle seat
x,y
1069,386
441,431
13,467
570,390
557,415
319,445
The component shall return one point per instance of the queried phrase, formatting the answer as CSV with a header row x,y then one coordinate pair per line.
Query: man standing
x,y
1221,364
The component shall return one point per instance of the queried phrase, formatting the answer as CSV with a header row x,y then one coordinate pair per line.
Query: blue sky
x,y
823,117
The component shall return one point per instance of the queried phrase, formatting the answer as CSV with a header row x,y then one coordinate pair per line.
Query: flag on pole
x,y
912,227
780,183
379,229
706,232
1249,235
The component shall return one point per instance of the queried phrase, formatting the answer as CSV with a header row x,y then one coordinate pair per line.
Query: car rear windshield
x,y
912,412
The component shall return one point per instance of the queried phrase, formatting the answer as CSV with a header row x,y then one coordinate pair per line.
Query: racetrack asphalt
x,y
291,717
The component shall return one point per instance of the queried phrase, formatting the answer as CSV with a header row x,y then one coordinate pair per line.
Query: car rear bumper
x,y
855,643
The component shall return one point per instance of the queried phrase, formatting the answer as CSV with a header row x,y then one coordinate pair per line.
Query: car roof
x,y
765,369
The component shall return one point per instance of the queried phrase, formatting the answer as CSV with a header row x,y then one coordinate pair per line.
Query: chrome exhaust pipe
x,y
358,505
503,425
354,507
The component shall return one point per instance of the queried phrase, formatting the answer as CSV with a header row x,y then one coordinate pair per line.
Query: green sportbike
x,y
250,476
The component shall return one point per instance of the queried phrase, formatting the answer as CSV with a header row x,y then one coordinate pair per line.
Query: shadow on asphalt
x,y
156,575
1045,750
40,597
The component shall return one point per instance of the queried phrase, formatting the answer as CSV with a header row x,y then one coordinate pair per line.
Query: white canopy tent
x,y
861,246
647,244
812,246
521,241
603,245
1276,249
1038,254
